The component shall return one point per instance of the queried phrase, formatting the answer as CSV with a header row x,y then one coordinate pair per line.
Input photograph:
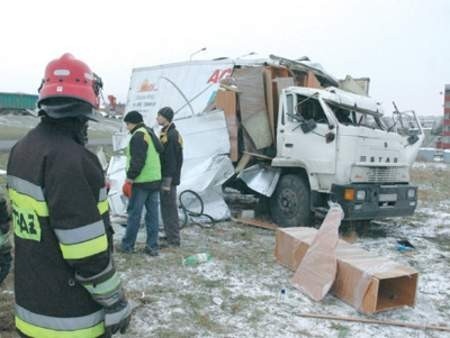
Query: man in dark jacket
x,y
171,161
5,247
65,281
142,183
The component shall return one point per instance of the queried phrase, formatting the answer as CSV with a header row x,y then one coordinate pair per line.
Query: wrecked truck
x,y
286,131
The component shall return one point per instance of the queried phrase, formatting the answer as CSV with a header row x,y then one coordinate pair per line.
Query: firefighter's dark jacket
x,y
64,274
138,153
172,156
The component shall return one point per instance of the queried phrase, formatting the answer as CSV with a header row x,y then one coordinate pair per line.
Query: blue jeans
x,y
140,198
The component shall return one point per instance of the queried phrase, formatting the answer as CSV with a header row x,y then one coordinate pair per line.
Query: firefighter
x,y
65,281
5,248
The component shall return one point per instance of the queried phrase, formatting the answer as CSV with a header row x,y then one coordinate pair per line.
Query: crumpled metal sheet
x,y
204,136
120,140
116,176
261,179
206,180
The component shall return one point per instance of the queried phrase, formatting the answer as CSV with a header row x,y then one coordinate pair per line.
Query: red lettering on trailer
x,y
147,86
219,74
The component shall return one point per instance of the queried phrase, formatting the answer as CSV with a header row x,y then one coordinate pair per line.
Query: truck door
x,y
307,134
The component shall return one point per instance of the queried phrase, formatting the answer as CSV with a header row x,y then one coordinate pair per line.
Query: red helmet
x,y
71,78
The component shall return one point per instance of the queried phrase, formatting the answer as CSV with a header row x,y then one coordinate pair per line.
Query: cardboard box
x,y
367,282
317,270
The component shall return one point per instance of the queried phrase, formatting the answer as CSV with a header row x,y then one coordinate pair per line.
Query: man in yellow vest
x,y
142,184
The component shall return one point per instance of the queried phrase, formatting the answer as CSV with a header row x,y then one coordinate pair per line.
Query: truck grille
x,y
380,174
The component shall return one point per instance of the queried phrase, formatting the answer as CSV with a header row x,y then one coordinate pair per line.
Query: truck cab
x,y
333,145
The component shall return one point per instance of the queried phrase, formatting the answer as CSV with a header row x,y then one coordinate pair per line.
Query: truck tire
x,y
290,203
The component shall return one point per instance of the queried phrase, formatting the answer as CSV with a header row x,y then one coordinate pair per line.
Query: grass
x,y
342,330
12,133
18,126
433,183
15,133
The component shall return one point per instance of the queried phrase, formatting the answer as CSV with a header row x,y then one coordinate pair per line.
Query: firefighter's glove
x,y
117,317
166,184
127,188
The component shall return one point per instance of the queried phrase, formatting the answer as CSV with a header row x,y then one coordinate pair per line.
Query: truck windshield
x,y
354,117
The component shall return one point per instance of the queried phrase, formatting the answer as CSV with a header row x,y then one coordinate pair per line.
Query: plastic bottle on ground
x,y
282,296
197,259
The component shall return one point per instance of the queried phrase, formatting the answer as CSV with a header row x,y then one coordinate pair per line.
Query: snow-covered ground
x,y
238,292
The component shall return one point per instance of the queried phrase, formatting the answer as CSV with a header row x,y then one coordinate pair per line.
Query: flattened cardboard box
x,y
367,282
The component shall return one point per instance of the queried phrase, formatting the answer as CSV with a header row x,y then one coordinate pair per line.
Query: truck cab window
x,y
345,116
309,108
370,122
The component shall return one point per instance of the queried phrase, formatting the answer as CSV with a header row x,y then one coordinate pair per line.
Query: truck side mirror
x,y
308,125
329,137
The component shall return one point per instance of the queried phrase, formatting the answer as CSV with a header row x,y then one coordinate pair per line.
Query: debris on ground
x,y
317,269
197,259
368,282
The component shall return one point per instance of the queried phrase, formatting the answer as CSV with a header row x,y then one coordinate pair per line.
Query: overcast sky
x,y
403,46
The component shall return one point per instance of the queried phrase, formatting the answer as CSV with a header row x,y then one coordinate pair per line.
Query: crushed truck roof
x,y
343,98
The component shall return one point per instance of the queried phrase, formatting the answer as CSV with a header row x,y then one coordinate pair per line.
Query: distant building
x,y
17,102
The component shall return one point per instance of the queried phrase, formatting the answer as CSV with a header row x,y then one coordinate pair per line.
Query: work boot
x,y
121,249
167,244
151,252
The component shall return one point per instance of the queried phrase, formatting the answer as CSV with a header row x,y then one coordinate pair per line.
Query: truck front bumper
x,y
371,201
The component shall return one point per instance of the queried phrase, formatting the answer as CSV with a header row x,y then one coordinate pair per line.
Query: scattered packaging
x,y
366,281
317,270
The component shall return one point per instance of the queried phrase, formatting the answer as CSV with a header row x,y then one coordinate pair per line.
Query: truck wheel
x,y
290,203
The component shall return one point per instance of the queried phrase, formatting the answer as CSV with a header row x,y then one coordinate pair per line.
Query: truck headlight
x,y
361,195
411,193
349,194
